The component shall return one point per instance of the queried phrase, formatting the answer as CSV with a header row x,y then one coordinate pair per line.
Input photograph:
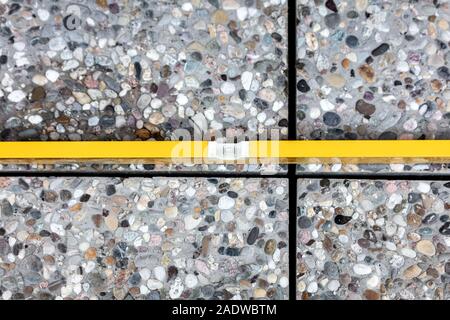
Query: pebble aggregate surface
x,y
143,168
160,238
373,239
375,168
373,69
142,70
202,69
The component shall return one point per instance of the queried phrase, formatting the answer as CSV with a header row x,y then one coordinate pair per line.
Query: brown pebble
x,y
412,272
436,85
270,246
76,207
219,17
345,64
110,260
371,295
364,108
90,254
432,272
165,71
426,247
102,3
143,134
38,94
419,209
367,73
205,245
63,119
328,244
97,219
414,219
134,291
49,259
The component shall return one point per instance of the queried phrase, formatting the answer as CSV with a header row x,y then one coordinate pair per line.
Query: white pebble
x,y
423,187
7,295
191,281
39,80
410,125
314,113
52,75
43,14
312,287
373,282
160,273
326,105
284,282
227,88
362,269
242,13
153,284
246,79
399,220
187,7
176,289
16,96
57,44
333,285
190,222
409,253
182,99
35,119
93,121
225,203
402,66
145,273
226,216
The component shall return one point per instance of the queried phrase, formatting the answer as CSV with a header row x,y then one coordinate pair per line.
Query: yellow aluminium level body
x,y
284,151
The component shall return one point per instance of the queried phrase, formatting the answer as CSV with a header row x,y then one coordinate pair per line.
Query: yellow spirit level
x,y
284,151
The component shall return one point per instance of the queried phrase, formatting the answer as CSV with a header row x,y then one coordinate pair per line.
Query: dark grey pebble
x,y
107,121
332,20
381,49
331,5
364,243
36,214
388,135
253,235
65,195
232,252
414,197
331,269
110,190
370,235
154,295
443,72
304,222
4,247
303,86
445,229
430,218
135,279
425,231
352,41
85,197
49,195
6,209
340,219
331,119
31,263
